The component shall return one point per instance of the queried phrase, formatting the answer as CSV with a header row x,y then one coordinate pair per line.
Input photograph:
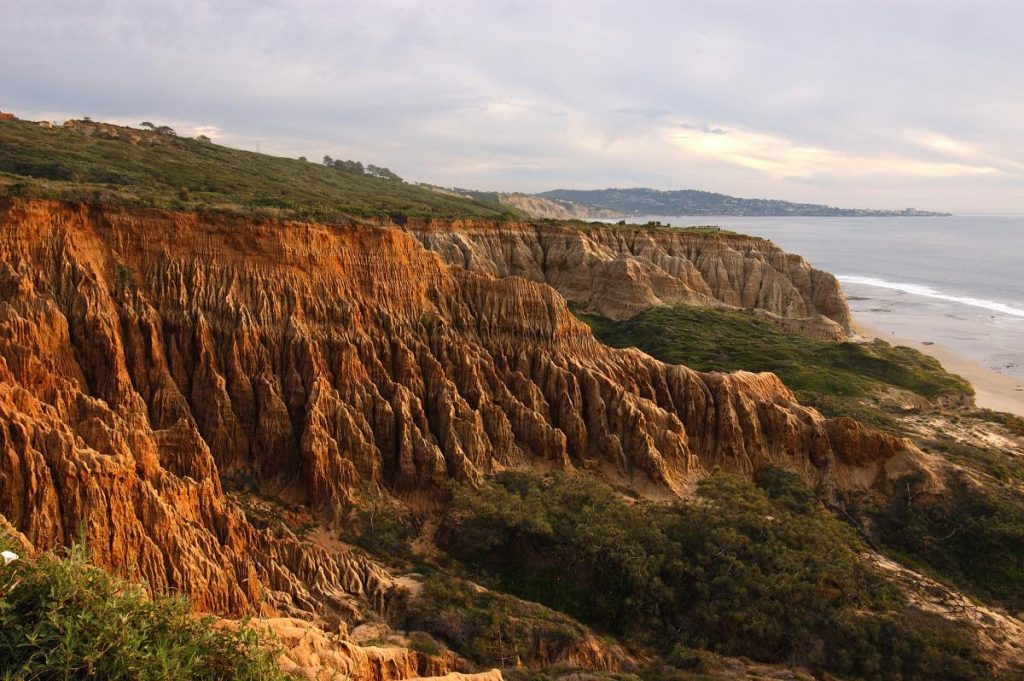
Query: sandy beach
x,y
993,390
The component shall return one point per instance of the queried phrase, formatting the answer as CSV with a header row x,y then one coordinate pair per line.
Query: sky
x,y
855,104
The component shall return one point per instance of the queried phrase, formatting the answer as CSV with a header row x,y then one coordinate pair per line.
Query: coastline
x,y
992,390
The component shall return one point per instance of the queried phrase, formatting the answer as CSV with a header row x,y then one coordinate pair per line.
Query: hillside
x,y
90,161
389,446
641,201
209,386
557,209
532,205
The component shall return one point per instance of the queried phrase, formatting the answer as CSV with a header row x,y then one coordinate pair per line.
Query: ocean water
x,y
955,281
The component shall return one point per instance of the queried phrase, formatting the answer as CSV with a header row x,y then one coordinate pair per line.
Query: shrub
x,y
61,618
422,642
763,573
973,536
383,527
486,627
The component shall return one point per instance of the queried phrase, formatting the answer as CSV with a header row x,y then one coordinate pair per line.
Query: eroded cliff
x,y
618,271
147,356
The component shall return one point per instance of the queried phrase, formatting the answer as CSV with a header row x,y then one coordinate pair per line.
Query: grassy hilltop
x,y
86,161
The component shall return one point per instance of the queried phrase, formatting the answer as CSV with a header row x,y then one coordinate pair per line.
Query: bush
x,y
762,573
488,628
383,527
700,661
61,618
973,536
422,642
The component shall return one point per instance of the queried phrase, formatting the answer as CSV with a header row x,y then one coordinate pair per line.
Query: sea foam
x,y
928,292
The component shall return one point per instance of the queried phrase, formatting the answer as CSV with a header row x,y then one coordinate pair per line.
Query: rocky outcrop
x,y
311,653
490,675
134,136
618,272
144,355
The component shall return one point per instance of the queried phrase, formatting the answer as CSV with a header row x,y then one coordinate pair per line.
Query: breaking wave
x,y
928,292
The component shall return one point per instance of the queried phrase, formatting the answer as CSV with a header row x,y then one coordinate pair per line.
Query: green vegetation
x,y
1003,465
422,642
756,571
840,379
383,527
1012,422
266,511
61,618
588,226
491,629
973,537
167,171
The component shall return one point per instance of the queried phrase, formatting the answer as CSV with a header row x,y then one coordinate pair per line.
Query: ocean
x,y
955,281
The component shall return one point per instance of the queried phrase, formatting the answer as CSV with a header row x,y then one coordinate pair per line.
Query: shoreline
x,y
992,390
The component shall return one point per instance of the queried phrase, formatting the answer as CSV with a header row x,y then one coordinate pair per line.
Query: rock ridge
x,y
147,355
619,271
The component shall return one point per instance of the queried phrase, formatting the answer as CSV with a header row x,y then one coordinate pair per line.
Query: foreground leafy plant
x,y
62,618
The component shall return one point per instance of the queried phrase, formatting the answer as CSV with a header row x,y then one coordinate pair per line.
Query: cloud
x,y
866,104
704,128
783,158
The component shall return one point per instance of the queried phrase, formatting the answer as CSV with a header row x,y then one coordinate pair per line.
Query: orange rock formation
x,y
147,355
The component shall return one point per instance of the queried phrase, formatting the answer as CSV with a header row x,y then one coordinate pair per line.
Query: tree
x,y
303,159
349,166
328,161
204,138
381,172
147,124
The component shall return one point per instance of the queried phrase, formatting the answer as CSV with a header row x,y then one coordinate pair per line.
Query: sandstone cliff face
x,y
618,272
146,354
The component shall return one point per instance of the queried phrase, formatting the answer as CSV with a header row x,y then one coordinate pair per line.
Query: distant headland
x,y
644,201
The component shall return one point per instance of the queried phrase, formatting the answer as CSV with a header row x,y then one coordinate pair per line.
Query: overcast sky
x,y
865,104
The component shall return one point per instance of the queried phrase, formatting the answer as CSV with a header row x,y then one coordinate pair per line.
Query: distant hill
x,y
558,209
533,205
86,160
643,201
